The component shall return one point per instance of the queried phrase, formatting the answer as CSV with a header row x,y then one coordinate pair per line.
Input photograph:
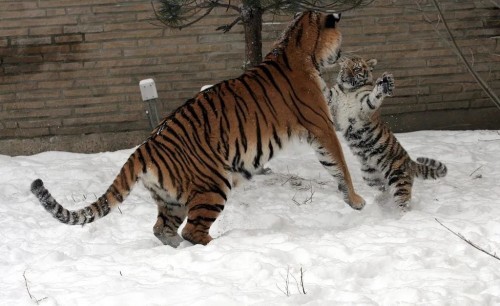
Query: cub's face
x,y
356,72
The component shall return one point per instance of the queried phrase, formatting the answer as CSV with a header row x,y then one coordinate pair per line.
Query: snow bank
x,y
272,227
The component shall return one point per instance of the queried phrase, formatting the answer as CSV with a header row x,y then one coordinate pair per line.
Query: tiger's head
x,y
355,72
312,37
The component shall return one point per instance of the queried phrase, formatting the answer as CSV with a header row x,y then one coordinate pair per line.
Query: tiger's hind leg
x,y
171,214
203,210
400,184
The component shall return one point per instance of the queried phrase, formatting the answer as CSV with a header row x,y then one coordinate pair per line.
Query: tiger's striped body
x,y
355,104
193,158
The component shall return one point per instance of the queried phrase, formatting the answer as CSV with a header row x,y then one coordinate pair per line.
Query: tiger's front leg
x,y
330,155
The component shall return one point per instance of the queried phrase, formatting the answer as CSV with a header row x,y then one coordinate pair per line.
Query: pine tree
x,y
180,14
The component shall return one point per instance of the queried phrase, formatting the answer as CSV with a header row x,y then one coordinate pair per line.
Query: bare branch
x,y
495,4
459,53
468,241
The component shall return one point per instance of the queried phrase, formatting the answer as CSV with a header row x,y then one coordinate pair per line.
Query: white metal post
x,y
150,95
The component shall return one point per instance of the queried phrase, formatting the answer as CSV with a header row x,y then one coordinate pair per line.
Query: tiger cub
x,y
355,102
192,159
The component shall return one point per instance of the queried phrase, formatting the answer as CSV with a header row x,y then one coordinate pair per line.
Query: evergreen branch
x,y
171,23
334,7
468,241
227,27
179,16
283,5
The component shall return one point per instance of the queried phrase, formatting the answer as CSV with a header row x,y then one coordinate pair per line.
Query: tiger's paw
x,y
404,207
356,202
172,241
386,84
198,237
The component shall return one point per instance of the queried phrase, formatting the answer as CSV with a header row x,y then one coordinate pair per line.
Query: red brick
x,y
13,32
84,28
5,14
68,38
31,41
17,5
45,30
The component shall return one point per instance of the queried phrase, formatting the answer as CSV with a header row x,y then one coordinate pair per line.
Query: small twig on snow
x,y
286,290
468,241
302,272
475,170
34,299
307,199
300,287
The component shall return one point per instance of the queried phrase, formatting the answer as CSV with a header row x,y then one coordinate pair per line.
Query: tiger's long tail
x,y
428,168
115,194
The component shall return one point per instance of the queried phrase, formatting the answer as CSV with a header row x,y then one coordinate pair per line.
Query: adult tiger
x,y
192,159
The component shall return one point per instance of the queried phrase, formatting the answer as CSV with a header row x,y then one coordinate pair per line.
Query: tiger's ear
x,y
331,20
372,63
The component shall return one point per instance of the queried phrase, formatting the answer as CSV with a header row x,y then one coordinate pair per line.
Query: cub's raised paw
x,y
386,84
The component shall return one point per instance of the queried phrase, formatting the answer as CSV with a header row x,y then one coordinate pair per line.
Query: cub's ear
x,y
371,63
331,20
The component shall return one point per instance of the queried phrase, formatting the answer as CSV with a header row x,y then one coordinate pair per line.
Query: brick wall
x,y
69,70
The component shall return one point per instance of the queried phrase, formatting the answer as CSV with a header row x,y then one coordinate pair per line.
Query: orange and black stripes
x,y
192,159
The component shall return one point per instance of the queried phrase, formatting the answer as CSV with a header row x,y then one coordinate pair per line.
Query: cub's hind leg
x,y
203,210
171,214
400,184
373,177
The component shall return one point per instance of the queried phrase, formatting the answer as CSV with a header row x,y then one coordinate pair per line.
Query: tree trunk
x,y
252,23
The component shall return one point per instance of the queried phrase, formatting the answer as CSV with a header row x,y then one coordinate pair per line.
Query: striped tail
x,y
115,194
428,168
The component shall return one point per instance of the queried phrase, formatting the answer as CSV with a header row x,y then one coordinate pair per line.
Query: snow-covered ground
x,y
272,227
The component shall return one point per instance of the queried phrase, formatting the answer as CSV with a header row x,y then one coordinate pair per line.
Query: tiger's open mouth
x,y
338,55
333,59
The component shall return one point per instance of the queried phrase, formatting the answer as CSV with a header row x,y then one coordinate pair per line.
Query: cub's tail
x,y
115,194
428,168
